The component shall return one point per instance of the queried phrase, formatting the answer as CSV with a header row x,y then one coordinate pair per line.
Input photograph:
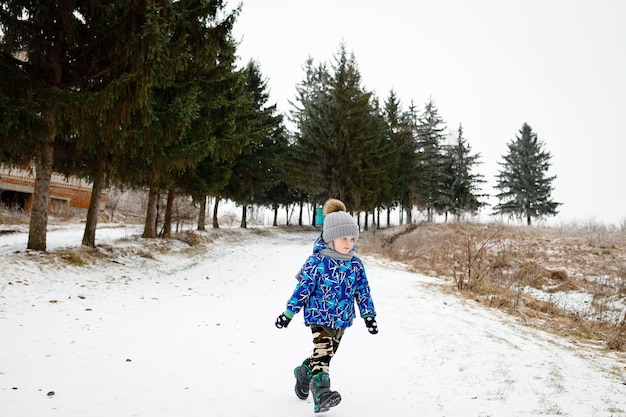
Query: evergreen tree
x,y
525,189
276,151
178,135
392,116
403,163
304,167
377,158
341,134
75,62
252,174
462,184
430,139
224,104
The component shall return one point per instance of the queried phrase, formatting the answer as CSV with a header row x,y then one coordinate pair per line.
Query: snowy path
x,y
191,334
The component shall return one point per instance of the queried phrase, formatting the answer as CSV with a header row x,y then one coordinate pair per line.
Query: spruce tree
x,y
430,139
276,150
224,103
461,182
77,64
402,169
304,167
252,171
376,161
392,114
178,135
342,135
525,188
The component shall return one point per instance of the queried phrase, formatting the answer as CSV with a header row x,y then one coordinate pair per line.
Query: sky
x,y
489,65
155,328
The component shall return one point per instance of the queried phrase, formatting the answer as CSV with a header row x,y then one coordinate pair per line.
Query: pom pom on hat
x,y
338,223
332,205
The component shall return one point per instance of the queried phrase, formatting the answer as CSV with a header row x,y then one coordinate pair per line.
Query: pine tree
x,y
461,183
392,114
430,139
252,170
375,183
403,163
224,104
276,150
304,167
341,135
177,134
78,64
525,188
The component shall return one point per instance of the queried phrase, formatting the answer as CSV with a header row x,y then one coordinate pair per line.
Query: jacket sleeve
x,y
363,296
305,287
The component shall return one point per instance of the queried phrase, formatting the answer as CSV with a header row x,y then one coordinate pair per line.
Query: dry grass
x,y
12,216
525,271
143,248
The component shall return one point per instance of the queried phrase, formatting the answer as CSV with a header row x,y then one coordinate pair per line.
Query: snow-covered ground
x,y
140,331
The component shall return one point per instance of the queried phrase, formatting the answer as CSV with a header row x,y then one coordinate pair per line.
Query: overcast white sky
x,y
491,65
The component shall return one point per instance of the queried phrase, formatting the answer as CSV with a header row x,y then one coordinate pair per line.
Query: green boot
x,y
323,396
303,379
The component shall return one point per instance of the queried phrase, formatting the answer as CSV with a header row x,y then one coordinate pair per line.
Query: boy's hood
x,y
319,245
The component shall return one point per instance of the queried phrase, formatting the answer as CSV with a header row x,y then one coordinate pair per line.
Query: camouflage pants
x,y
325,345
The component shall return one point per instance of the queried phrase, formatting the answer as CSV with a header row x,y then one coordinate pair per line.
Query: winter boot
x,y
303,379
323,396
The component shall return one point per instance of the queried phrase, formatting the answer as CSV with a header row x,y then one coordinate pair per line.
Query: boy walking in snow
x,y
330,283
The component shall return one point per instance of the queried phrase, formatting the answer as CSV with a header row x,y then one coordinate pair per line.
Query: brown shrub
x,y
531,274
558,275
72,257
190,238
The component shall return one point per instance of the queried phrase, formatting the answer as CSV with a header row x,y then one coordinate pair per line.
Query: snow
x,y
138,330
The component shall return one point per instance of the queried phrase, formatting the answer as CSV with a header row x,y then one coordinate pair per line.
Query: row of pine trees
x,y
145,94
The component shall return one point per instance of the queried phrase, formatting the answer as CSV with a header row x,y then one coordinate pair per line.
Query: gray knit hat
x,y
337,222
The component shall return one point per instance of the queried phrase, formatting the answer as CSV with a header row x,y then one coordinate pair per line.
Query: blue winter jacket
x,y
328,289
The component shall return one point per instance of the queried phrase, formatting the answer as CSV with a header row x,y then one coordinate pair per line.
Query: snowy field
x,y
141,331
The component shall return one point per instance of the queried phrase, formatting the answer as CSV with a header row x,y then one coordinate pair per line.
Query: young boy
x,y
330,282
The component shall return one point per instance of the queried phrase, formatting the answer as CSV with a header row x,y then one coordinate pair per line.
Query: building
x,y
68,196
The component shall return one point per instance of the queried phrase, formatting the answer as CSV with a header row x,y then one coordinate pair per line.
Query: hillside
x,y
569,280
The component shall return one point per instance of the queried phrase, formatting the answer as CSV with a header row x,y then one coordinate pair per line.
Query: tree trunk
x,y
244,214
149,229
275,223
89,236
215,206
202,214
301,213
169,208
375,221
39,213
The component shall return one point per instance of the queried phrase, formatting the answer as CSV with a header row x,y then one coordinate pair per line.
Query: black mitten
x,y
372,326
282,321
